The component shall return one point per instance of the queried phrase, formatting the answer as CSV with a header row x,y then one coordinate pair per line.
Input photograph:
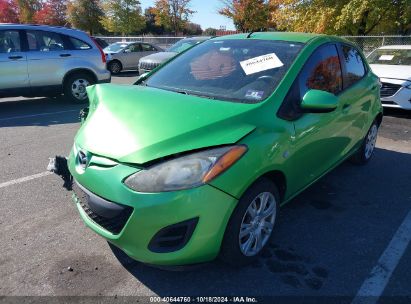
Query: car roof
x,y
284,36
58,29
395,47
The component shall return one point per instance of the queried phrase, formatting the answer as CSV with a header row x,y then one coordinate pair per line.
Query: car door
x,y
46,58
320,139
359,94
13,61
131,56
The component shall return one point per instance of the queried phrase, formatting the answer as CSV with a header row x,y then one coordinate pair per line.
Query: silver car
x,y
125,55
38,60
150,62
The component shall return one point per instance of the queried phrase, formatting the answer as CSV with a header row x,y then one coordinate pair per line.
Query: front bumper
x,y
400,99
152,212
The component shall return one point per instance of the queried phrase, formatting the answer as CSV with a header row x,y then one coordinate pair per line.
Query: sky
x,y
206,13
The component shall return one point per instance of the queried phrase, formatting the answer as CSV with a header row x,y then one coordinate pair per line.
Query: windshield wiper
x,y
194,94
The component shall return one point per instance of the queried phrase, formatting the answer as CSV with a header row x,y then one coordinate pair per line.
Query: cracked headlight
x,y
185,172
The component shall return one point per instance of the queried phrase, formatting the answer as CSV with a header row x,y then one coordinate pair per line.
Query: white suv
x,y
393,65
37,60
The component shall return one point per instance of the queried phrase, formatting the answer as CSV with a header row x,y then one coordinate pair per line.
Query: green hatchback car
x,y
194,160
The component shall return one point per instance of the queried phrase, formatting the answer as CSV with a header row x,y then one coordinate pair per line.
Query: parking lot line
x,y
374,285
35,115
24,179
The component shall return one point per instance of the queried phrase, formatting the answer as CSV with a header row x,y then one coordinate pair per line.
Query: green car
x,y
194,160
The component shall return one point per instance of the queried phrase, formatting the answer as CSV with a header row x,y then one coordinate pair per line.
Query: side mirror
x,y
319,101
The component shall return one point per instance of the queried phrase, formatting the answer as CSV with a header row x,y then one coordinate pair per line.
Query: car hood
x,y
392,71
158,57
137,124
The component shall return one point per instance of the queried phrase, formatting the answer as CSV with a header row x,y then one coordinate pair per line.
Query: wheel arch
x,y
378,118
279,179
79,71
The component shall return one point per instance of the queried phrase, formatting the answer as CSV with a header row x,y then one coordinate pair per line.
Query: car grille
x,y
113,224
389,89
148,66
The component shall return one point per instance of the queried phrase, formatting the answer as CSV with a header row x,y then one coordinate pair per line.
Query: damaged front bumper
x,y
170,228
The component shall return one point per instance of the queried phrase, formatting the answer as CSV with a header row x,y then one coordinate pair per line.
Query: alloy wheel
x,y
78,88
370,141
257,224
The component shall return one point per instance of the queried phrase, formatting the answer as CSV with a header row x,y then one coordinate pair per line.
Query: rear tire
x,y
366,151
251,225
115,67
75,87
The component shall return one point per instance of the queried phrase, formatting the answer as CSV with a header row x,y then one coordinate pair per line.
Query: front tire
x,y
251,224
75,87
366,151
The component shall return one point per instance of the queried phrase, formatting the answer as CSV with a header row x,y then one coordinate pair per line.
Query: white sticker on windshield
x,y
386,57
261,63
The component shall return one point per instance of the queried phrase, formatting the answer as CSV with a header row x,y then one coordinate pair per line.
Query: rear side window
x,y
79,44
353,64
9,41
44,41
322,71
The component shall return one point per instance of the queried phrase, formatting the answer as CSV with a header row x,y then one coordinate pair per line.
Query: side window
x,y
147,47
9,41
79,44
353,64
322,71
44,41
135,48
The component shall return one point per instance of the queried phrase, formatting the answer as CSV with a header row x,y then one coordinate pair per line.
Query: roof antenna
x,y
249,35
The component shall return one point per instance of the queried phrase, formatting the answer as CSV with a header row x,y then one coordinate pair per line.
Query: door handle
x,y
65,55
15,57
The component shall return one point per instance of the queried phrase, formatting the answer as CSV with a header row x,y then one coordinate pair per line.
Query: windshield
x,y
115,47
246,70
394,57
182,45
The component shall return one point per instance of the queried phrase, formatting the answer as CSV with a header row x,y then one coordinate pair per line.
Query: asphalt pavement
x,y
327,243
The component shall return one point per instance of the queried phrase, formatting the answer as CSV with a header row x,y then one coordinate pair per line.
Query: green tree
x,y
150,19
85,15
172,14
192,29
123,16
210,31
247,15
344,17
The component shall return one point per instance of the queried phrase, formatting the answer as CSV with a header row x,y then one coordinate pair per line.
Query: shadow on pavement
x,y
325,243
38,112
126,74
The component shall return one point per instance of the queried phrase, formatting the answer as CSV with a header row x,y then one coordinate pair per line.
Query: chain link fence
x,y
366,43
370,43
163,42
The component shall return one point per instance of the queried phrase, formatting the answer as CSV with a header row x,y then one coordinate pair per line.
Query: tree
x,y
172,14
247,15
52,12
8,11
150,19
85,15
210,31
192,29
26,10
343,17
123,16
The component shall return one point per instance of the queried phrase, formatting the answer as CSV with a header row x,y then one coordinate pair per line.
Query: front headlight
x,y
187,171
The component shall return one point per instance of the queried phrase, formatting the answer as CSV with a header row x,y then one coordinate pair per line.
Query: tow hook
x,y
58,165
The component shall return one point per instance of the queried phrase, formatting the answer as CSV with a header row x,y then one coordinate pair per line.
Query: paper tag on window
x,y
386,57
261,63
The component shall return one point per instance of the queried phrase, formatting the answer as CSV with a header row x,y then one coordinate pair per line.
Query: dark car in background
x,y
150,62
